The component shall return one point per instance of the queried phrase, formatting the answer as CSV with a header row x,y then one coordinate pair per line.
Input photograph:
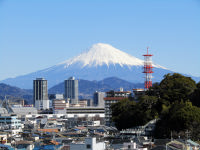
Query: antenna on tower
x,y
148,69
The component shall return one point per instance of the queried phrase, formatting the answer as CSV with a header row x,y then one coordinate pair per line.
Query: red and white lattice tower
x,y
148,70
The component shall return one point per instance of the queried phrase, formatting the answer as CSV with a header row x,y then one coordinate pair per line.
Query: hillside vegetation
x,y
174,101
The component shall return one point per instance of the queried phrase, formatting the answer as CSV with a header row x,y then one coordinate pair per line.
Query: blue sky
x,y
37,34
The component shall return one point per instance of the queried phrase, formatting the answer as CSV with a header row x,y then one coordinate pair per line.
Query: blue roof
x,y
35,135
47,147
26,132
6,146
76,129
100,130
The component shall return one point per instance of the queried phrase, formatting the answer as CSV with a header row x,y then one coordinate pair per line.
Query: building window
x,y
129,146
88,146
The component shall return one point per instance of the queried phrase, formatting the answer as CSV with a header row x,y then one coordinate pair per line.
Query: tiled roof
x,y
114,98
48,130
80,128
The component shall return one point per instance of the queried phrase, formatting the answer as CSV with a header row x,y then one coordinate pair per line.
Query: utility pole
x,y
187,136
171,136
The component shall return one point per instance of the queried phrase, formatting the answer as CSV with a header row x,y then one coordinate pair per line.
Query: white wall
x,y
88,141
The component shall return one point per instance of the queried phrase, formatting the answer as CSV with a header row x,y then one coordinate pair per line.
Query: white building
x,y
132,146
89,144
20,110
98,99
11,123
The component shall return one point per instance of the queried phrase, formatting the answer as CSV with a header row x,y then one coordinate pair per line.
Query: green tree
x,y
169,101
122,113
181,116
176,87
127,113
195,99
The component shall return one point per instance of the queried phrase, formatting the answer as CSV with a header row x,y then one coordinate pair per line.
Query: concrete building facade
x,y
71,90
89,144
113,97
59,106
98,99
10,123
40,93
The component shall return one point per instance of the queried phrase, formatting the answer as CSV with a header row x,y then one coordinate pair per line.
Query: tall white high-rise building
x,y
40,93
71,90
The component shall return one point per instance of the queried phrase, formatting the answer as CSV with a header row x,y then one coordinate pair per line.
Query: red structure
x,y
148,70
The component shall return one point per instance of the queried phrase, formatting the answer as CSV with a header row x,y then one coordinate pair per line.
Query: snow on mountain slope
x,y
100,54
99,62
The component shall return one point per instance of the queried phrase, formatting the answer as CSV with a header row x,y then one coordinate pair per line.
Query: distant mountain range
x,y
86,88
99,62
12,93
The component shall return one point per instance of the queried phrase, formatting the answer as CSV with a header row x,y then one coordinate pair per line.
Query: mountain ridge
x,y
99,62
100,54
13,92
87,88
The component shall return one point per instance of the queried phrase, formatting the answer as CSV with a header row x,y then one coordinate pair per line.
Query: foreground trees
x,y
179,118
195,98
127,114
171,101
174,87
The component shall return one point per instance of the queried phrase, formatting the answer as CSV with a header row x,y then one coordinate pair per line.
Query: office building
x,y
71,90
111,98
40,94
98,99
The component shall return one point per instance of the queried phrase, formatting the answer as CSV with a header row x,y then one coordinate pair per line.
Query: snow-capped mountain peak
x,y
104,54
99,62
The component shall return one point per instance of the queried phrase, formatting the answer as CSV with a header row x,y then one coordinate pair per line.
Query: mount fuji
x,y
99,62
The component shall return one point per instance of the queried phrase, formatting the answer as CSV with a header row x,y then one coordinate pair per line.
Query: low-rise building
x,y
3,137
11,123
182,144
132,146
89,144
56,96
83,103
138,92
59,106
20,110
82,111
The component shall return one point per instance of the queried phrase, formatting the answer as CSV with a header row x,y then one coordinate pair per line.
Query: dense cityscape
x,y
161,115
99,75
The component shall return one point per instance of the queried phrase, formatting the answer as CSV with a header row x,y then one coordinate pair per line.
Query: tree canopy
x,y
180,118
173,101
174,87
195,98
